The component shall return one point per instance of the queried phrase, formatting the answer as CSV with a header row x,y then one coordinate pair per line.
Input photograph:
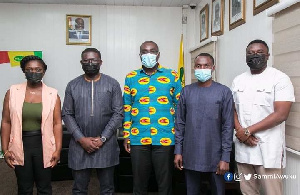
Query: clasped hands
x,y
90,144
250,140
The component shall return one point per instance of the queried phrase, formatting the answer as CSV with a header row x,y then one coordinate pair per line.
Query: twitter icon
x,y
248,176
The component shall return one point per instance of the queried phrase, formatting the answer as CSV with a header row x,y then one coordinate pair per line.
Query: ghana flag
x,y
14,57
181,63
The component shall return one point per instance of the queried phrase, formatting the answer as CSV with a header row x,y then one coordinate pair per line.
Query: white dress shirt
x,y
254,97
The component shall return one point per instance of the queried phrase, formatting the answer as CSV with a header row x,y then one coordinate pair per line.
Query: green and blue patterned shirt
x,y
149,104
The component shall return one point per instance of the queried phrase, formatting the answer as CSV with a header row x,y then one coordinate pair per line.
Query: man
x,y
204,129
263,97
92,112
79,32
150,97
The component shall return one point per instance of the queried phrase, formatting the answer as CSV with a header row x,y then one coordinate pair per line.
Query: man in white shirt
x,y
263,97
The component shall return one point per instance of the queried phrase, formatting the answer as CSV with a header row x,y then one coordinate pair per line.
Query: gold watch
x,y
247,132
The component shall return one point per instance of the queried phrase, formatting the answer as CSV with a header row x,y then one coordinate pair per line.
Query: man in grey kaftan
x,y
92,112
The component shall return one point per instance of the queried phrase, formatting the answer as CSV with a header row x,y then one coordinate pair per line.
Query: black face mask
x,y
91,69
34,77
256,61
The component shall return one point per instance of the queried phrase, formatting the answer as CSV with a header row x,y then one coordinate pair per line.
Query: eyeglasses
x,y
37,70
94,60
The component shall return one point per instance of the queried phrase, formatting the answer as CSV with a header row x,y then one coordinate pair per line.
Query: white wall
x,y
231,46
116,31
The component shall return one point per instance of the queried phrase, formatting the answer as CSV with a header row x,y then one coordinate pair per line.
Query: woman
x,y
31,135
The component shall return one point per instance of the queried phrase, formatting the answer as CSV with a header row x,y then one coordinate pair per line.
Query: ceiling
x,y
154,3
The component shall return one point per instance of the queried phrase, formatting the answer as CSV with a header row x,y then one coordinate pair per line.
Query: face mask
x,y
256,61
203,74
149,60
91,69
34,77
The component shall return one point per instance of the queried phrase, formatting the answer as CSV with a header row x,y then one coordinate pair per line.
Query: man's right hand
x,y
251,141
178,161
88,145
126,145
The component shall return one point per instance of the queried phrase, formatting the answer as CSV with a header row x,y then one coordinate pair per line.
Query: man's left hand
x,y
240,134
222,168
97,141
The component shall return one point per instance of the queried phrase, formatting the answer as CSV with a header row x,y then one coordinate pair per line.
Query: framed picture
x,y
236,13
261,5
217,17
78,30
204,23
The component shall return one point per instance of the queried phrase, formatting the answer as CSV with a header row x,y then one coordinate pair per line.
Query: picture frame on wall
x,y
204,23
237,15
261,5
217,17
78,29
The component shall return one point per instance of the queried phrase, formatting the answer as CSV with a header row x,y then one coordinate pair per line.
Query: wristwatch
x,y
103,139
247,132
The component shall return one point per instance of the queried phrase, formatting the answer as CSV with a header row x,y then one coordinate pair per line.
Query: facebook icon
x,y
228,176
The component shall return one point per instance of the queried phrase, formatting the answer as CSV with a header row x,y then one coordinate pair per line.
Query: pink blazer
x,y
16,100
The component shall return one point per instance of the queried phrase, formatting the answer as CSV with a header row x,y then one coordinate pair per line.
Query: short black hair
x,y
206,55
149,42
27,59
259,41
91,50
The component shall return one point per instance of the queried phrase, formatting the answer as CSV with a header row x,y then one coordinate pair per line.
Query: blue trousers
x,y
194,180
82,179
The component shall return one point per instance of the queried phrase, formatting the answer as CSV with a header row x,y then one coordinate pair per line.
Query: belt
x,y
31,133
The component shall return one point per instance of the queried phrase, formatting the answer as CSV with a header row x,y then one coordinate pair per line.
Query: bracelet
x,y
5,153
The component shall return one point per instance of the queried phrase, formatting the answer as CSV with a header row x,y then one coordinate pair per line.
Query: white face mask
x,y
149,60
203,74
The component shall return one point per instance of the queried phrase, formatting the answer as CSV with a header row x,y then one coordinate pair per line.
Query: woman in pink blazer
x,y
31,135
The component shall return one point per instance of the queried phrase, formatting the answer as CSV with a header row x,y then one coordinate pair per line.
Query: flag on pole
x,y
14,57
181,63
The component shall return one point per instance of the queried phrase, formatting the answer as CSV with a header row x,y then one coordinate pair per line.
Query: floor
x,y
8,183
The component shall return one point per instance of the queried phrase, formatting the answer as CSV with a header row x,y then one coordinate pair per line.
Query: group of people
x,y
163,125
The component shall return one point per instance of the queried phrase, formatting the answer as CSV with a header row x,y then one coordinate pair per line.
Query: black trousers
x,y
146,156
82,179
194,181
33,170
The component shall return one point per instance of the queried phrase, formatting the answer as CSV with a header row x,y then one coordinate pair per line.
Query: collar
x,y
160,68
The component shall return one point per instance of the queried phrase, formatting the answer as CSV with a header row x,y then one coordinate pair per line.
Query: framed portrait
x,y
237,14
204,23
261,5
217,17
78,30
